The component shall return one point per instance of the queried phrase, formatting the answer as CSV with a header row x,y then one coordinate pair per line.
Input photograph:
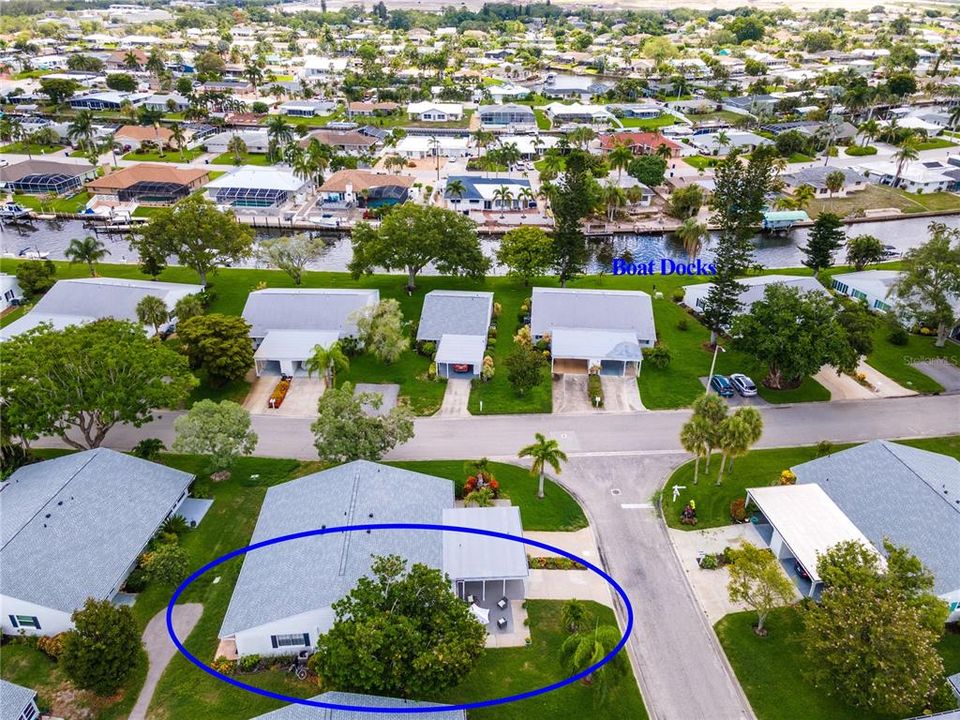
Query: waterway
x,y
772,251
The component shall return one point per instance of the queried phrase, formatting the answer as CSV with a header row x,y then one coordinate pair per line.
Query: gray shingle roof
x,y
454,312
72,526
288,579
893,491
305,309
817,176
13,699
592,310
305,712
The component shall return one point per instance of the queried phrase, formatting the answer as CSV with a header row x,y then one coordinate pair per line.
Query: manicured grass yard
x,y
172,156
934,144
71,204
23,148
543,122
557,511
758,469
771,670
227,158
509,671
410,372
799,158
700,162
876,196
648,123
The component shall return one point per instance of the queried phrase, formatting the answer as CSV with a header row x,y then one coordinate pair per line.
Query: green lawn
x,y
771,670
934,144
172,156
557,511
410,372
700,162
799,158
22,148
245,159
758,469
543,122
873,197
509,671
75,203
235,390
725,115
648,123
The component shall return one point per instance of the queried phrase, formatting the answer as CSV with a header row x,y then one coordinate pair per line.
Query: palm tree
x,y
834,181
238,147
664,151
870,128
525,196
503,195
279,134
89,251
544,452
155,63
328,362
619,158
481,497
151,310
954,117
691,234
753,421
510,155
581,136
572,615
177,136
553,162
396,162
722,141
694,436
737,434
906,153
131,61
613,198
482,139
319,156
803,195
80,130
588,648
456,188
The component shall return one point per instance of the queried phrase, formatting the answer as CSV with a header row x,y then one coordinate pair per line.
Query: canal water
x,y
772,251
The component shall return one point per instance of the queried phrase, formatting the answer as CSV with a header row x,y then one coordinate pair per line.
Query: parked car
x,y
743,385
722,385
798,569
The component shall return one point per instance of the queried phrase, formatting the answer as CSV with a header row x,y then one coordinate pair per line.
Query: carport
x,y
286,351
460,350
800,523
576,350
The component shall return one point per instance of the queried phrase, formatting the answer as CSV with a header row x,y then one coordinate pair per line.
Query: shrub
x,y
432,371
858,151
492,331
492,343
278,394
523,337
709,562
248,663
553,563
224,666
427,348
926,331
149,449
683,324
738,510
136,581
595,390
176,524
787,478
488,370
497,309
350,346
677,294
897,333
824,447
52,645
658,356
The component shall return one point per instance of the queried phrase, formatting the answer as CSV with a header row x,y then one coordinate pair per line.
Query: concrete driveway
x,y
943,372
570,395
620,394
301,399
455,398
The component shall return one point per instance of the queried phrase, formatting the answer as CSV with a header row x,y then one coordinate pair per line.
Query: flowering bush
x,y
738,510
523,336
475,483
553,563
52,645
787,478
224,666
278,394
487,371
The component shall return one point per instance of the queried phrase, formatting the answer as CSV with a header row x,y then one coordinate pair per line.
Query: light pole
x,y
713,364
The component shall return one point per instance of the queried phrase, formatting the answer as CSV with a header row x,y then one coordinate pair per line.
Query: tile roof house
x,y
369,189
286,324
134,136
641,143
390,705
57,516
149,183
83,300
457,321
349,141
593,328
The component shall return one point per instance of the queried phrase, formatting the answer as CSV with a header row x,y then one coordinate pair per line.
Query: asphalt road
x,y
622,459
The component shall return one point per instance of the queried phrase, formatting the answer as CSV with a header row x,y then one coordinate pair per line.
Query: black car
x,y
722,384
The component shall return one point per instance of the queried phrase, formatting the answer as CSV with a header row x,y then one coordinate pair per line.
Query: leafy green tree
x,y
292,253
153,311
89,251
902,84
589,647
400,633
619,158
685,202
413,236
572,615
328,361
85,63
210,64
543,452
859,322
219,344
35,277
343,431
103,649
58,90
757,581
572,200
87,379
648,169
871,639
220,431
863,250
524,368
826,237
122,82
527,252
746,27
167,565
794,334
927,289
380,329
200,236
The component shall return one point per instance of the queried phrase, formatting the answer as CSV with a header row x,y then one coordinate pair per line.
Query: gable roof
x,y
288,579
306,712
817,176
636,139
306,309
592,310
73,525
147,172
455,312
144,133
363,180
894,491
261,178
13,699
467,556
756,286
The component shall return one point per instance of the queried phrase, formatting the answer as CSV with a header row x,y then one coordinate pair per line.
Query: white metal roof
x,y
294,344
254,177
461,349
478,557
807,519
582,344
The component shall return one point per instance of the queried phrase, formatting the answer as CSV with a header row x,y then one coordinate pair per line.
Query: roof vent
x,y
60,502
47,516
370,515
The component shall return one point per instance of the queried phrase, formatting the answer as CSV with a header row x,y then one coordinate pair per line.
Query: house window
x,y
29,712
842,287
880,305
858,295
296,640
25,621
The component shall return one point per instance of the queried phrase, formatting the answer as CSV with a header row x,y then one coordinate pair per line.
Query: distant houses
x,y
486,193
695,296
148,184
257,187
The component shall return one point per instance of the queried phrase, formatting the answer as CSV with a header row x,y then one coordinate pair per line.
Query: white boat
x,y
13,211
28,254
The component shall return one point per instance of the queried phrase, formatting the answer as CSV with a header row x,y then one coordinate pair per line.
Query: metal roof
x,y
13,699
454,312
254,178
628,310
595,344
306,712
461,349
73,525
479,557
294,344
908,495
280,581
306,309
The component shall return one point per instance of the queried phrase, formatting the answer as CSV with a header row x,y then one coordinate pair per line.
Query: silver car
x,y
743,385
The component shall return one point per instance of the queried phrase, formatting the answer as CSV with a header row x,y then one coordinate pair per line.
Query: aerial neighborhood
x,y
522,361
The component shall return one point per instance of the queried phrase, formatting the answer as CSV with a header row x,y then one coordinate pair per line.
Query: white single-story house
x,y
417,147
530,146
816,177
73,528
323,68
257,141
486,193
9,290
258,187
507,116
457,321
429,111
695,296
577,113
83,300
872,286
914,176
390,705
709,143
883,491
286,324
307,108
283,598
605,329
17,702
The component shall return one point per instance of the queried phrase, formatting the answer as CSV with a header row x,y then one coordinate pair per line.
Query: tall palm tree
x,y
619,158
279,134
131,61
510,155
955,117
553,161
694,436
691,234
544,452
156,64
581,136
803,195
589,647
503,195
178,137
737,434
319,156
328,362
723,139
525,196
613,199
482,139
89,251
238,147
870,128
395,162
456,188
664,151
907,152
80,130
